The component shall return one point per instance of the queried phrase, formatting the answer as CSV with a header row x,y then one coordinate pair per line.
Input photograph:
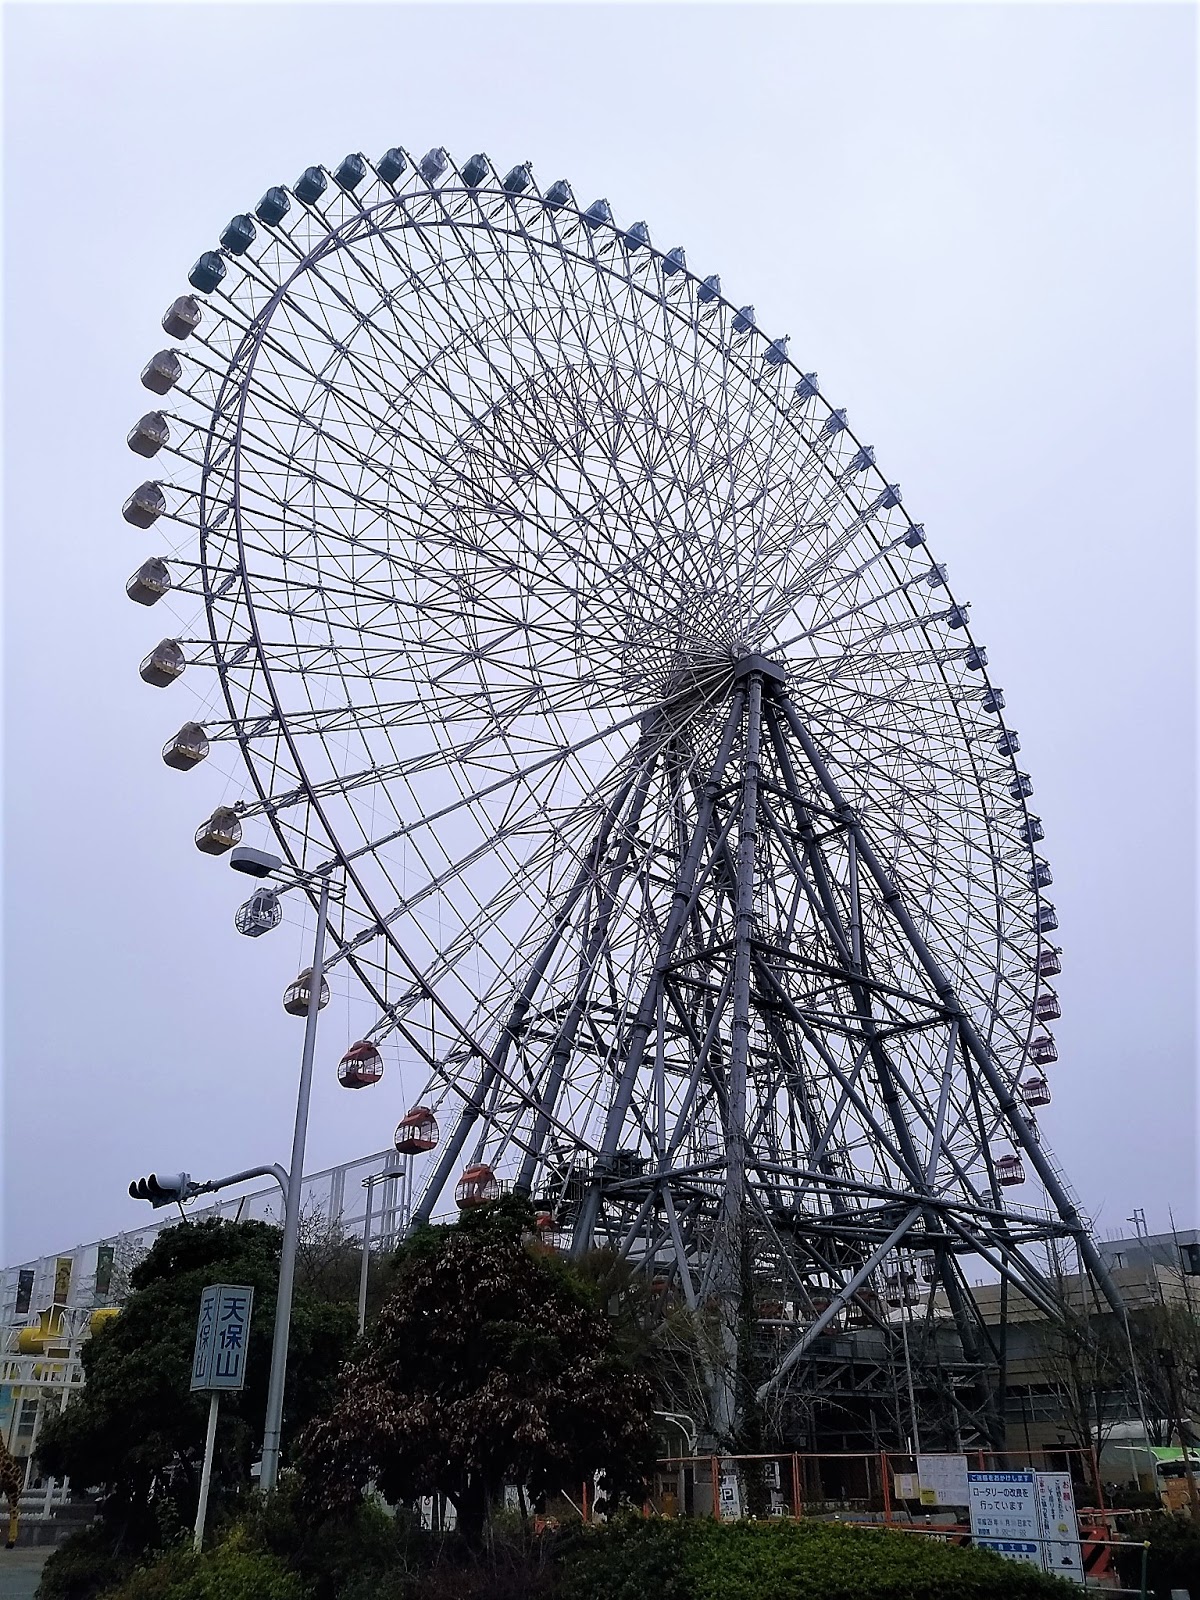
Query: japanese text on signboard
x,y
222,1337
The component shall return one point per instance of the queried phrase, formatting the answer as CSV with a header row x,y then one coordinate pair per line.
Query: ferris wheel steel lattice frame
x,y
685,849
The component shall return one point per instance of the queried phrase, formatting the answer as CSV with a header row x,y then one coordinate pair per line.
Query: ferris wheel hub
x,y
768,669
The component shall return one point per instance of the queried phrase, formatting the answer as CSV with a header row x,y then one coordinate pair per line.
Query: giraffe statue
x,y
12,1481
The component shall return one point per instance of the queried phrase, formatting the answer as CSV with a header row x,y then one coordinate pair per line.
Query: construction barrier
x,y
875,1489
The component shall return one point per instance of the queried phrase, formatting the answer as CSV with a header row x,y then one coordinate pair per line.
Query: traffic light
x,y
161,1188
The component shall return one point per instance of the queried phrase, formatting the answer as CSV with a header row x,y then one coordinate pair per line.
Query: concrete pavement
x,y
21,1571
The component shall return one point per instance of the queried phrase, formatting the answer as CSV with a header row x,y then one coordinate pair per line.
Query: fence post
x,y
716,1487
1145,1559
795,1485
887,1489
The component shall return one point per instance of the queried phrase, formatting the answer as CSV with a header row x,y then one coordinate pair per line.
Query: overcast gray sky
x,y
977,223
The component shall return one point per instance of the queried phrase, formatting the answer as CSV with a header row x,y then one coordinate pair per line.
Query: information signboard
x,y
1004,1514
942,1480
222,1336
1061,1553
730,1492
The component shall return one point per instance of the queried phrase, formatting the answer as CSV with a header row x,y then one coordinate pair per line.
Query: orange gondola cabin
x,y
361,1066
417,1132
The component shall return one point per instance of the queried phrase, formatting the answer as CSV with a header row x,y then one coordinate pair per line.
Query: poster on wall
x,y
1061,1553
1004,1515
942,1480
105,1257
62,1279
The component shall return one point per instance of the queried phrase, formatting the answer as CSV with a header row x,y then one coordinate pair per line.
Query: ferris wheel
x,y
684,840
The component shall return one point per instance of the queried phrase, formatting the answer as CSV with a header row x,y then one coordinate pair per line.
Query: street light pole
x,y
291,1212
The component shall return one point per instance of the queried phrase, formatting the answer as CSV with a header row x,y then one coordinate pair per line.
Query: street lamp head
x,y
257,863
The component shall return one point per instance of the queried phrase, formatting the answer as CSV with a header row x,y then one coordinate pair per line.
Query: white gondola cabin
x,y
259,914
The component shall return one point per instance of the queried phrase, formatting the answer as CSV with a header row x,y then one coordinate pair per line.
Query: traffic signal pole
x,y
173,1188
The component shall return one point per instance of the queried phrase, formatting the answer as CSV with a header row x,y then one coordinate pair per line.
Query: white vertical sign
x,y
730,1491
222,1337
942,1480
206,1325
1004,1515
1061,1552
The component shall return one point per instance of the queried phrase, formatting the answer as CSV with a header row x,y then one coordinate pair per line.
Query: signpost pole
x,y
210,1440
218,1362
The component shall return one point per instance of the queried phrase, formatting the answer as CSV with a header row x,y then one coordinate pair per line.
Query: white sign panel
x,y
730,1491
905,1484
1061,1552
942,1480
222,1336
1004,1514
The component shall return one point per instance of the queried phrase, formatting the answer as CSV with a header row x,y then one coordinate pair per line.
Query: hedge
x,y
706,1560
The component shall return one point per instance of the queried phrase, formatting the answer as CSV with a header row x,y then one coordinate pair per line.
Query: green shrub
x,y
84,1566
363,1551
229,1572
705,1560
1174,1560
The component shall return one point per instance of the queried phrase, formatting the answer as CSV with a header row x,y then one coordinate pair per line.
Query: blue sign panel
x,y
1004,1515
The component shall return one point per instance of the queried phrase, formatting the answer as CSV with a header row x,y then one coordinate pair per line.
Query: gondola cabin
x,y
164,664
220,833
295,996
478,1186
187,749
259,914
417,1132
1046,1007
1049,962
361,1066
149,583
1009,1171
